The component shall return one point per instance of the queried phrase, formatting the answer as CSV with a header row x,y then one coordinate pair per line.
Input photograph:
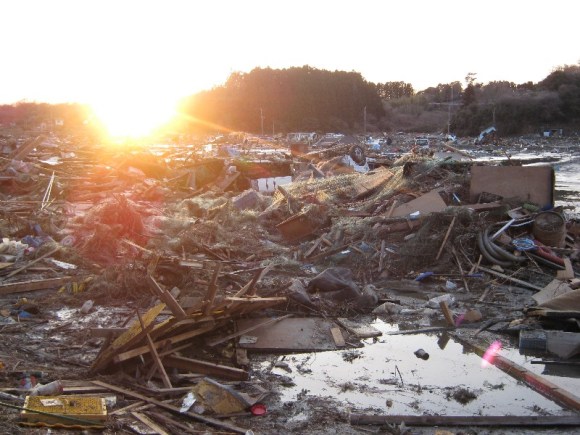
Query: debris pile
x,y
154,281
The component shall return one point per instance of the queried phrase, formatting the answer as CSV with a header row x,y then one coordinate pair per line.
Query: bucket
x,y
550,228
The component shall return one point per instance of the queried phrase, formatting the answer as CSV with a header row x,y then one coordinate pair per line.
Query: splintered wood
x,y
154,340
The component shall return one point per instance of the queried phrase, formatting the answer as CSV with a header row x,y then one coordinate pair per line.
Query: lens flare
x,y
490,354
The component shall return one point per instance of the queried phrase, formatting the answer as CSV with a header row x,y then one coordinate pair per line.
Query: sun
x,y
135,117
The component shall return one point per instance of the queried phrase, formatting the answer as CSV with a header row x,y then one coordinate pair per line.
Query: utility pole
x,y
365,120
262,120
449,112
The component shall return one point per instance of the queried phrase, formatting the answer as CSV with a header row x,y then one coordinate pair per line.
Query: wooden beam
x,y
172,340
149,423
447,313
249,288
446,237
173,409
257,299
32,285
472,420
169,421
156,359
536,382
212,290
337,337
166,297
127,408
30,263
206,368
512,279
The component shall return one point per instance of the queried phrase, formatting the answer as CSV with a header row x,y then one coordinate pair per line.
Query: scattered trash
x,y
420,353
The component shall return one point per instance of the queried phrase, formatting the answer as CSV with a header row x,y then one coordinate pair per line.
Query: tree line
x,y
267,101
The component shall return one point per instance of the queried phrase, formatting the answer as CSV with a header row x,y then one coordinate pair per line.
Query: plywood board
x,y
429,203
292,334
370,182
529,183
552,290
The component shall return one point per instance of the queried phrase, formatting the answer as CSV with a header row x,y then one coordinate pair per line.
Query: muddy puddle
x,y
387,377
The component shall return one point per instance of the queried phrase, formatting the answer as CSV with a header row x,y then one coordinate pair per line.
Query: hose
x,y
487,255
500,252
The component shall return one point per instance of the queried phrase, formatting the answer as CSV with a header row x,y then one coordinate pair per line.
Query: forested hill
x,y
300,98
309,99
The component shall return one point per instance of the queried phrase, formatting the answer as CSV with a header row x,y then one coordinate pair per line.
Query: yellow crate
x,y
89,409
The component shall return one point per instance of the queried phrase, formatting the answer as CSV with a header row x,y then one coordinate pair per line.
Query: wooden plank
x,y
249,288
206,368
156,359
212,290
212,343
172,340
328,252
126,340
128,408
445,238
471,420
149,423
313,247
568,272
171,422
382,255
538,383
509,278
23,150
528,183
447,313
337,337
257,299
426,204
370,182
173,409
32,285
292,334
166,297
553,289
30,263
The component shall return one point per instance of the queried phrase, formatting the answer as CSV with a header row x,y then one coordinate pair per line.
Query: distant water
x,y
567,192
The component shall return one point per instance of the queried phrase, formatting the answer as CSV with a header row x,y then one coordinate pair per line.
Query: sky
x,y
113,54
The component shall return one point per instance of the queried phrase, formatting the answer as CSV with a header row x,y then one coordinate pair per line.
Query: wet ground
x,y
387,377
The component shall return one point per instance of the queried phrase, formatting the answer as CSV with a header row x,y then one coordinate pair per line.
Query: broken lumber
x,y
337,337
149,423
156,360
471,420
32,285
30,263
173,409
445,238
172,340
166,297
206,368
510,278
212,290
538,383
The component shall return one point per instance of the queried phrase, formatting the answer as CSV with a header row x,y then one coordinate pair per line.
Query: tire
x,y
357,154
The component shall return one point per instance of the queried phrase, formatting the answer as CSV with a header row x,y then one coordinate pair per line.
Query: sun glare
x,y
133,118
